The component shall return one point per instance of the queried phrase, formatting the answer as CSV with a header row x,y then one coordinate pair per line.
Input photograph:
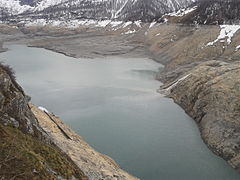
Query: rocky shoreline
x,y
201,78
26,150
42,144
94,164
210,95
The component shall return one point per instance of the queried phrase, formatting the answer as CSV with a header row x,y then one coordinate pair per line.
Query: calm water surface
x,y
114,105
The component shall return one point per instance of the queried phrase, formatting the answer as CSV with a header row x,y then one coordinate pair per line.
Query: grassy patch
x,y
24,157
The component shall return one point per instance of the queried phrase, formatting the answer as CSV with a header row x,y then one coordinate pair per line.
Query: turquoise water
x,y
114,105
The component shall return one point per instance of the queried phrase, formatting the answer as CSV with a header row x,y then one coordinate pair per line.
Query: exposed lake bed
x,y
114,105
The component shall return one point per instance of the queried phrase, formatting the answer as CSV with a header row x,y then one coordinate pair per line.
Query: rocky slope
x,y
26,151
201,75
210,93
215,12
95,165
36,145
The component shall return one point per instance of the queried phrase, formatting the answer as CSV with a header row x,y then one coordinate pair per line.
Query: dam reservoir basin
x,y
113,104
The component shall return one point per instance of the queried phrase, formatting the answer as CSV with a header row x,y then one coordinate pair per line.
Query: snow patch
x,y
115,23
74,23
165,20
183,12
130,32
127,24
47,3
37,22
13,6
43,109
227,31
167,90
237,48
138,23
103,23
152,24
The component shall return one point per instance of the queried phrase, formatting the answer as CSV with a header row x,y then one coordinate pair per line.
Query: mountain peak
x,y
145,10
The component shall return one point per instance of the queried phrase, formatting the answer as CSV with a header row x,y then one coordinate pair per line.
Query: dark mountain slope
x,y
215,12
126,10
149,10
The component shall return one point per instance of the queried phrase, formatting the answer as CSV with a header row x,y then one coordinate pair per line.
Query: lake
x,y
113,104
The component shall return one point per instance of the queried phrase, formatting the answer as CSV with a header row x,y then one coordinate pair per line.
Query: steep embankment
x,y
210,93
95,165
201,74
36,145
26,151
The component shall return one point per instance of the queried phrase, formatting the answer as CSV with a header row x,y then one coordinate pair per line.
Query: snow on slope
x,y
125,28
97,9
183,12
47,3
77,23
148,10
13,6
227,31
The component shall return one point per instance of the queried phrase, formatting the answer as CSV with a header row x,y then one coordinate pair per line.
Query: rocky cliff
x,y
36,145
210,93
26,151
201,74
94,164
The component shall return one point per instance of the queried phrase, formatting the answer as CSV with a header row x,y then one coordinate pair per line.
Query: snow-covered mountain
x,y
206,11
12,7
145,10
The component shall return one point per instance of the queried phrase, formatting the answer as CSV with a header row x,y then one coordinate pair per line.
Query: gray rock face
x,y
14,109
26,142
210,93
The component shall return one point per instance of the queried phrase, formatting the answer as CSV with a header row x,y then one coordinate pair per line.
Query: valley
x,y
195,49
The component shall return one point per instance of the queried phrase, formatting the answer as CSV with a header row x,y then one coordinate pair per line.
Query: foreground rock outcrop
x,y
26,150
37,145
210,93
94,164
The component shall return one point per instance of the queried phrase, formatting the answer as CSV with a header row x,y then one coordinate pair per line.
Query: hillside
x,y
125,10
215,12
26,151
36,144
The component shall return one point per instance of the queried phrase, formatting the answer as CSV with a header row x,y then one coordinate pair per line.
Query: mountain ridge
x,y
145,10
